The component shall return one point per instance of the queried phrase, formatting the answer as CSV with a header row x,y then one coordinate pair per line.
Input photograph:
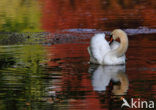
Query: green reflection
x,y
21,80
20,15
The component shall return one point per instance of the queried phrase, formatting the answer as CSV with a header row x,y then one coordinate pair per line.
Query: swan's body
x,y
102,53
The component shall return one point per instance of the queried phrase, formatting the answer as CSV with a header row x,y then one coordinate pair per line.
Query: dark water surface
x,y
58,76
50,70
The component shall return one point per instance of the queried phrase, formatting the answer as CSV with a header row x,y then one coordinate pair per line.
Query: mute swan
x,y
108,53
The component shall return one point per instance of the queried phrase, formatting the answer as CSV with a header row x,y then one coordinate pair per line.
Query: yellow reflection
x,y
19,15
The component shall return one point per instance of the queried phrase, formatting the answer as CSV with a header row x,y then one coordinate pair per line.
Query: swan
x,y
108,53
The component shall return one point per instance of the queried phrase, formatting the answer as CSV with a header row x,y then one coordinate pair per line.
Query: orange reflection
x,y
97,14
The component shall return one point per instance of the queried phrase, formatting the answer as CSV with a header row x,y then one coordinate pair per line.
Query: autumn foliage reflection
x,y
97,14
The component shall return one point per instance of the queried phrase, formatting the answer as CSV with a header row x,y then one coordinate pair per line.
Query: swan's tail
x,y
92,59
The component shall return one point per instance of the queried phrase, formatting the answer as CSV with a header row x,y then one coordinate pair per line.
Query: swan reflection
x,y
103,75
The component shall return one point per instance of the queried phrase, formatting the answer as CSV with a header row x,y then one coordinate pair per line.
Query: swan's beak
x,y
121,98
111,39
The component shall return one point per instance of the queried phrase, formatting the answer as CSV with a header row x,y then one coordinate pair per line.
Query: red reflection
x,y
73,58
105,15
97,14
74,77
65,52
90,102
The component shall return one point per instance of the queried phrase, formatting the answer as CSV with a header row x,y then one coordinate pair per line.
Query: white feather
x,y
101,52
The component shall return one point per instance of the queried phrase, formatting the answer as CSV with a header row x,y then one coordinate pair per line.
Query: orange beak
x,y
121,98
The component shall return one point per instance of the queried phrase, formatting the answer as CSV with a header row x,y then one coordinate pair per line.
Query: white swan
x,y
102,53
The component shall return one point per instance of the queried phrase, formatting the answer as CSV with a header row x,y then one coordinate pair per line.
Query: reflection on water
x,y
50,71
58,76
102,75
98,14
52,15
20,16
21,76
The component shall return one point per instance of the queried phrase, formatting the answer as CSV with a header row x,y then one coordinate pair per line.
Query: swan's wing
x,y
92,59
99,47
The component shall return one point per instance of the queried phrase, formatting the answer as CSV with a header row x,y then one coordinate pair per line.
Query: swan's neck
x,y
121,50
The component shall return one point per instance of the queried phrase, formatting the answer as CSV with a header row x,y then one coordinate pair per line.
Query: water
x,y
58,76
49,70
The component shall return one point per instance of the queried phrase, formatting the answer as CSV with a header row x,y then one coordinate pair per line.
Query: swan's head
x,y
117,33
